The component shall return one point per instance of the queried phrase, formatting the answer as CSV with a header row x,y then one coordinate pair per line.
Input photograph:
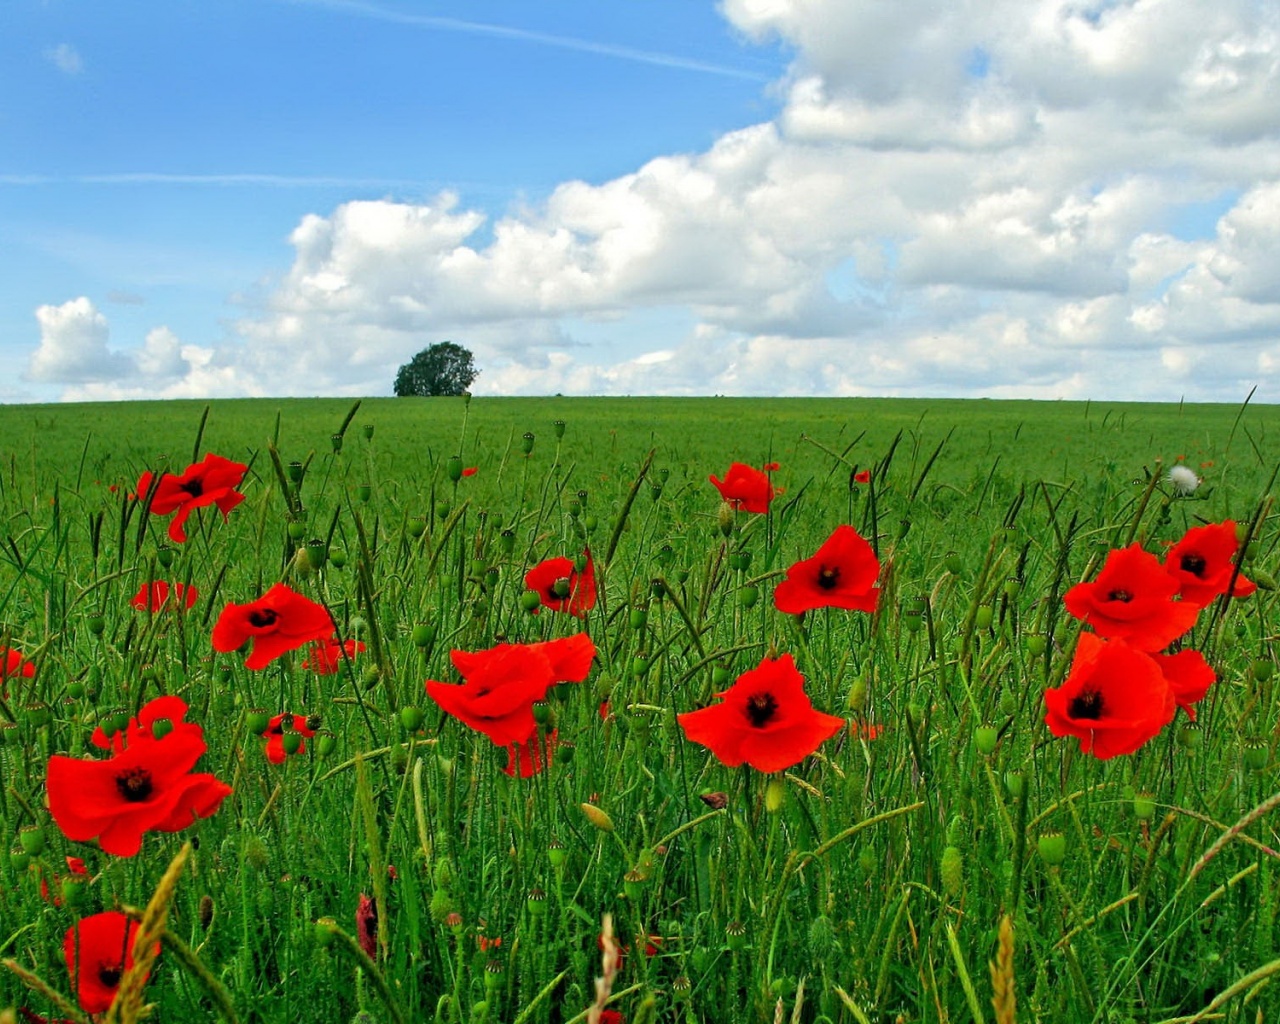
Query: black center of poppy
x,y
261,618
134,784
1193,563
109,975
828,577
1086,705
195,488
761,707
1120,595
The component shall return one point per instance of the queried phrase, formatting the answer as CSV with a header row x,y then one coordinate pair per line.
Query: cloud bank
x,y
1055,198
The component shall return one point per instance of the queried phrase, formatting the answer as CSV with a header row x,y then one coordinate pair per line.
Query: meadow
x,y
381,854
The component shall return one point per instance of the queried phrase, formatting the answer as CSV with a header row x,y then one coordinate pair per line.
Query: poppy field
x,y
642,710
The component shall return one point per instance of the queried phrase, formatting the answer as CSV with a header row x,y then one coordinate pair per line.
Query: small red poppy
x,y
167,709
156,597
842,574
367,926
562,587
212,481
470,470
279,621
274,733
1189,677
771,467
143,788
531,756
765,720
610,1017
1114,699
326,655
745,488
862,477
1203,562
99,952
14,666
1133,600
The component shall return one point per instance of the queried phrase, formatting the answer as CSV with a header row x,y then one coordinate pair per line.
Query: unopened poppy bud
x,y
1256,755
1008,701
368,431
735,933
440,905
412,717
295,472
556,853
337,557
1189,736
904,527
364,492
1262,670
984,617
724,519
565,753
423,635
775,795
536,901
19,859
1052,847
454,468
857,700
1036,644
371,677
37,713
256,721
31,839
324,931
1014,783
1144,806
530,601
597,817
1264,580
417,526
97,623
1012,587
161,728
336,441
526,442
590,523
720,676
951,870
748,596
558,425
985,738
290,741
638,618
326,743
951,561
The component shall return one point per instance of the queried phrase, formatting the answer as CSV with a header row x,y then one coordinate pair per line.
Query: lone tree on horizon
x,y
441,369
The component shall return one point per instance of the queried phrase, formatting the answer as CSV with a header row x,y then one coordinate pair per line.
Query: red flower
x,y
765,720
325,658
274,733
99,951
842,574
1189,677
531,756
1133,600
503,683
610,1017
145,787
211,482
745,488
156,597
14,666
279,621
1203,562
1114,699
367,926
561,587
470,470
159,709
862,477
771,467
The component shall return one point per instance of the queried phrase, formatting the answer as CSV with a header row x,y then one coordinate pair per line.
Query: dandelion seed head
x,y
1183,479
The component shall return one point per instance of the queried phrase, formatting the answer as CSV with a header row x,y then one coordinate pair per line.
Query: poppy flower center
x,y
828,577
1193,563
261,618
109,975
1086,705
761,707
1120,595
195,488
134,784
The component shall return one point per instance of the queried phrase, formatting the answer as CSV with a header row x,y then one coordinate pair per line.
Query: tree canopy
x,y
444,368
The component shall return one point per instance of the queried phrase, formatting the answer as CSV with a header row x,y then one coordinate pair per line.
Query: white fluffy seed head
x,y
1183,479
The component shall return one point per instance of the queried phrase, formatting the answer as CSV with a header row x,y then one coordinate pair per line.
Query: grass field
x,y
389,867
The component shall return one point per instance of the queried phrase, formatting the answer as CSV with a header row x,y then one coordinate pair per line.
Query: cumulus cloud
x,y
954,198
66,58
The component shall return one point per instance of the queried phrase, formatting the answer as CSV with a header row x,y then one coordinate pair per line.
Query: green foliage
x,y
869,882
444,368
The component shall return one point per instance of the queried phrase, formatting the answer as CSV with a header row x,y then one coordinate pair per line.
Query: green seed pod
x,y
412,717
1262,669
324,932
1036,644
951,871
368,431
96,623
721,677
336,441
326,743
638,618
1190,737
530,601
256,721
1012,587
19,859
556,853
295,472
161,728
639,665
417,526
565,753
297,529
1052,847
73,891
747,596
1014,783
536,901
37,713
75,689
337,557
633,884
735,934
558,427
526,442
984,617
1256,755
364,492
985,738
543,713
31,839
454,468
423,635
952,563
1144,806
317,553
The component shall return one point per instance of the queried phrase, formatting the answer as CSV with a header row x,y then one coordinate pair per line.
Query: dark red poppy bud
x,y
716,801
205,912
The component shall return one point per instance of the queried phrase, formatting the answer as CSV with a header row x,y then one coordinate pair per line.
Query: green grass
x,y
879,883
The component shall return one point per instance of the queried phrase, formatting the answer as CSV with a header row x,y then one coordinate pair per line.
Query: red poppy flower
x,y
167,709
842,574
326,656
561,587
503,683
470,470
1114,699
771,467
610,1017
156,597
862,477
144,787
1189,677
274,733
14,666
99,951
531,756
745,488
367,926
210,482
1203,562
279,621
765,720
1133,600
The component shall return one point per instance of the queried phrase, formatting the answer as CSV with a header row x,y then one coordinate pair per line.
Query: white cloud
x,y
966,198
66,58
73,345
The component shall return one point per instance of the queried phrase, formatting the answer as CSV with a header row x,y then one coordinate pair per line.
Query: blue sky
x,y
776,196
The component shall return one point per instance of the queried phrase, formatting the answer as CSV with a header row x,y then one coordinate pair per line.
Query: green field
x,y
866,883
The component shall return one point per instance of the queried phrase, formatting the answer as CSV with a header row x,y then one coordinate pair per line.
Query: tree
x,y
442,369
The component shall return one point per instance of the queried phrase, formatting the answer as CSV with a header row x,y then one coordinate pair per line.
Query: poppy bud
x,y
295,472
735,933
161,728
337,557
417,526
1262,670
454,468
412,717
1144,806
1189,736
205,911
716,801
720,676
364,492
1256,755
565,753
1264,580
951,870
324,931
724,518
775,795
597,817
19,859
1036,644
985,738
1052,847
536,901
952,563
97,623
255,853
423,634
526,442
326,742
37,713
1008,701
1014,783
530,601
638,618
368,431
904,527
75,689
256,721
748,596
441,905
558,425
336,441
556,853
31,839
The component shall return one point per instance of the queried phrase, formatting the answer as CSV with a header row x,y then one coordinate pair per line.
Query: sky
x,y
975,198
